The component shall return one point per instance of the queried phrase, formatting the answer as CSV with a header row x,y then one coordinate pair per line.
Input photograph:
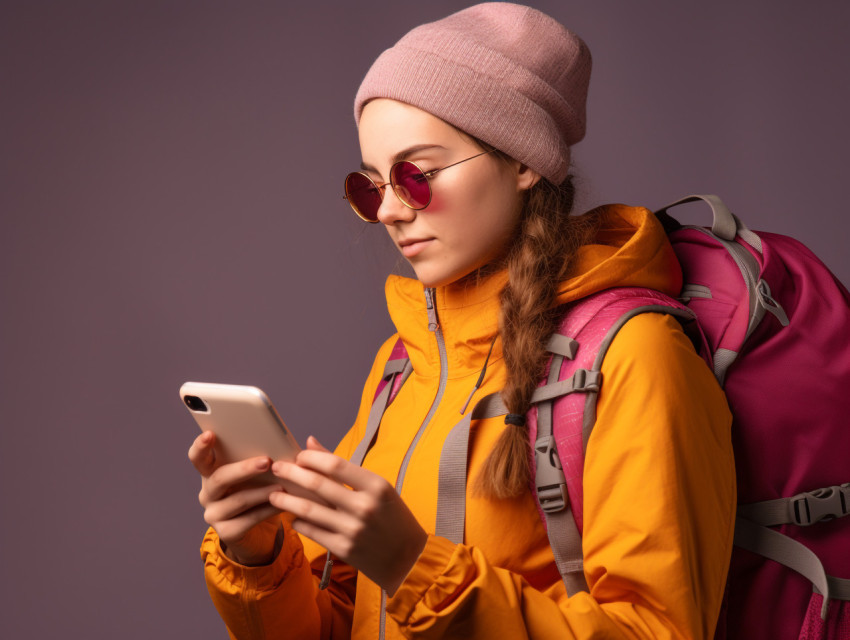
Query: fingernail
x,y
263,464
276,467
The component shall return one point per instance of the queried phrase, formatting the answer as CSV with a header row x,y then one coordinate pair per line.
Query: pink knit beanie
x,y
504,73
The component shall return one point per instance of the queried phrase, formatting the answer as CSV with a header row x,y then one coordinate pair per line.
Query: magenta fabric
x,y
787,391
835,627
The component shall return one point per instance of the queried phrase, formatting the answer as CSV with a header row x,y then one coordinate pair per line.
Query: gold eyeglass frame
x,y
382,188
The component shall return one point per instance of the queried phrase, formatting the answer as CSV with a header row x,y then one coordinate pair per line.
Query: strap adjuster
x,y
821,504
553,498
549,477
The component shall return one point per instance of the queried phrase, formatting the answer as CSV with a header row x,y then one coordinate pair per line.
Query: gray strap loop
x,y
784,550
451,488
723,224
839,588
767,303
581,380
803,509
562,346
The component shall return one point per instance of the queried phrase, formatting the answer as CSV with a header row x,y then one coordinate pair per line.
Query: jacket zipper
x,y
433,325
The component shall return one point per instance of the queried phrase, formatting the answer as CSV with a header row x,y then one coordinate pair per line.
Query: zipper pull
x,y
433,325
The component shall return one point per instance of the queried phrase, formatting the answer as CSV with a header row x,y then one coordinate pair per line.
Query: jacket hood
x,y
630,249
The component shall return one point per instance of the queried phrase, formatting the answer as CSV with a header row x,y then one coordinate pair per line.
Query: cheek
x,y
437,204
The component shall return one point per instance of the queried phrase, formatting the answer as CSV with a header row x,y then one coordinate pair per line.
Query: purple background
x,y
171,179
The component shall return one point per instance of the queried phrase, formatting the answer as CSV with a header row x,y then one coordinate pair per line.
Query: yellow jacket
x,y
659,485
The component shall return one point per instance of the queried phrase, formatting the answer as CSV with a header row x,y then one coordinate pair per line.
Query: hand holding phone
x,y
234,462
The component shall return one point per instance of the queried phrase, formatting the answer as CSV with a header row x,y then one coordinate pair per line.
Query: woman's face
x,y
474,208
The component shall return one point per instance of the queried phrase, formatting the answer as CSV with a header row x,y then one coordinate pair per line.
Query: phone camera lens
x,y
195,403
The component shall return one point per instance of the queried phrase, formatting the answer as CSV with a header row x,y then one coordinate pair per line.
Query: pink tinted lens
x,y
410,185
363,195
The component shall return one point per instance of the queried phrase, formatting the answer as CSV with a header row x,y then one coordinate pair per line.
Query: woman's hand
x,y
240,513
367,525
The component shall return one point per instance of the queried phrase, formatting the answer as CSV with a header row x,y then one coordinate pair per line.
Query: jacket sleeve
x,y
659,503
283,599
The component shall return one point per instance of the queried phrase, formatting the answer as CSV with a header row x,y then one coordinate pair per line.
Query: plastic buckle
x,y
821,504
553,498
549,476
585,380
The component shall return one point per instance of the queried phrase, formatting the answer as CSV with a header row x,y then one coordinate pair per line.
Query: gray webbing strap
x,y
377,410
394,366
451,488
589,417
803,509
544,409
581,380
551,487
839,588
562,345
549,481
748,236
403,368
784,550
723,359
565,540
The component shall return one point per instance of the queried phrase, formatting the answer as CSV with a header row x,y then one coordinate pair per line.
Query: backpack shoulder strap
x,y
564,411
396,371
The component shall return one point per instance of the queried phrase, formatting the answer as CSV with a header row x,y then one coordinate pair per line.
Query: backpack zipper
x,y
434,326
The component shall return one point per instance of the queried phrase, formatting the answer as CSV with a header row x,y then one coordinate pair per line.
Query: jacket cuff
x,y
426,574
219,568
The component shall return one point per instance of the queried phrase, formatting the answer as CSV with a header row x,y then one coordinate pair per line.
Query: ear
x,y
526,177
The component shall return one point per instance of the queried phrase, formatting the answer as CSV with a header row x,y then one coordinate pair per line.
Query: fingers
x,y
313,443
303,509
234,530
315,484
237,503
202,453
340,469
223,480
336,543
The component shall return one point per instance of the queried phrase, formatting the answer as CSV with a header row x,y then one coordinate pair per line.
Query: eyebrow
x,y
403,155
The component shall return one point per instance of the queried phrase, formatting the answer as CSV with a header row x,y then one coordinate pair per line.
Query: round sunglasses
x,y
410,184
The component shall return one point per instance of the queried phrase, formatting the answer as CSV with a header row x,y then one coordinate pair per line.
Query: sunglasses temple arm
x,y
428,174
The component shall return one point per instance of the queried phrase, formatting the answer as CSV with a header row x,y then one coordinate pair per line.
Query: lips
x,y
412,246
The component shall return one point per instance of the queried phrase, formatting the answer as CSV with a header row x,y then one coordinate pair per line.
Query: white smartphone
x,y
245,424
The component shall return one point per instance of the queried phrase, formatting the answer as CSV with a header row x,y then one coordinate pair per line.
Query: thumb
x,y
315,445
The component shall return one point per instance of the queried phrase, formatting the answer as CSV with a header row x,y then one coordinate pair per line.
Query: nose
x,y
392,209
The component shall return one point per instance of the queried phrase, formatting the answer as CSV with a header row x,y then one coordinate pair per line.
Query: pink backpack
x,y
774,325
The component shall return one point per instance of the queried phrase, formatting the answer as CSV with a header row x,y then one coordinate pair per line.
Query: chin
x,y
432,280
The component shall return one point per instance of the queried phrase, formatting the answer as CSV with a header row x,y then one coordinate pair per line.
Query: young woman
x,y
465,130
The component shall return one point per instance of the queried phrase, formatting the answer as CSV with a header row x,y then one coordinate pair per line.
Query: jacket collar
x,y
468,317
